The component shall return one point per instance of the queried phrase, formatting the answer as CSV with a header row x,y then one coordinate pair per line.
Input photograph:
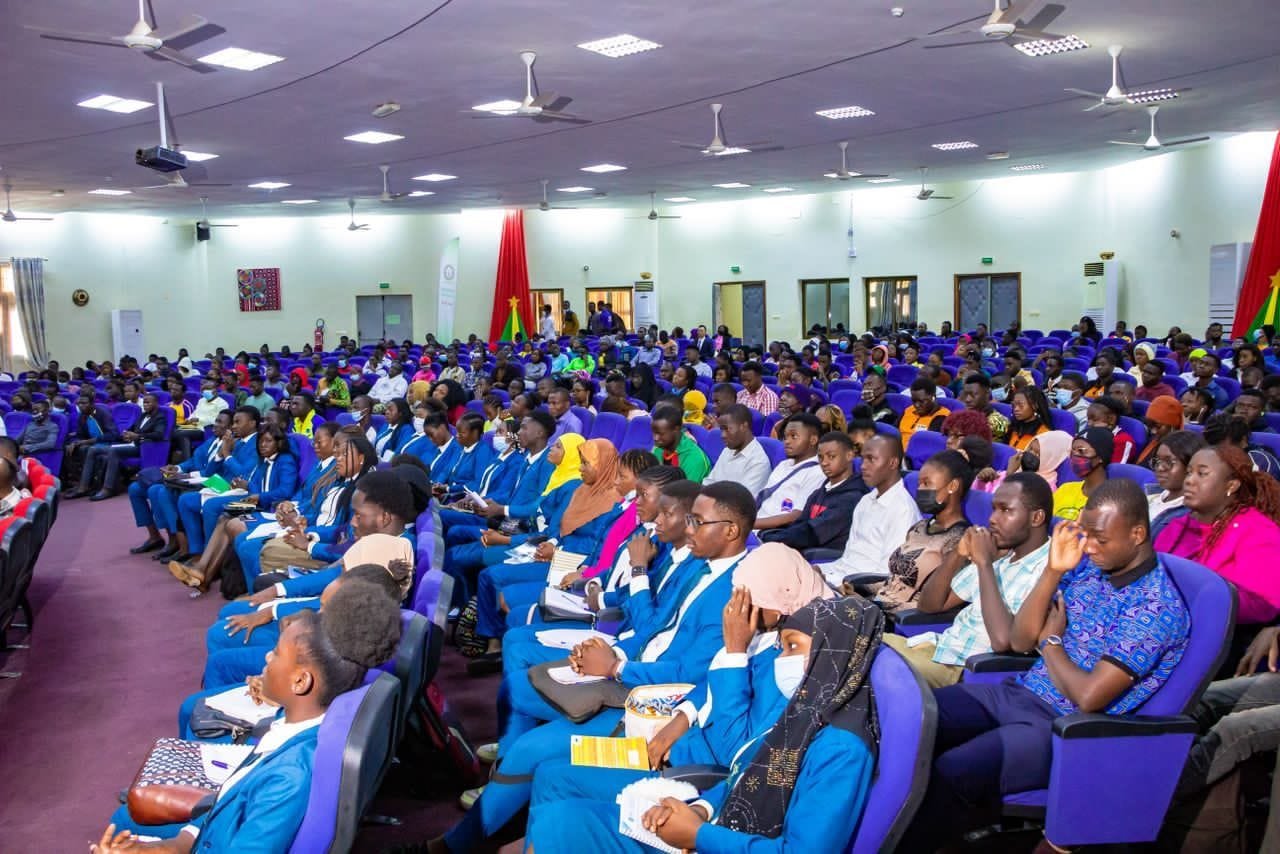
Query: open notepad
x,y
237,704
554,597
641,796
219,760
599,751
569,638
562,564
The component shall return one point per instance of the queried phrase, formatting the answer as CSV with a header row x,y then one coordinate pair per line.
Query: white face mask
x,y
499,443
418,421
788,673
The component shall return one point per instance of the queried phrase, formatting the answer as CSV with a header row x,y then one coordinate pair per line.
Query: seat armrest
x,y
1000,662
864,578
610,615
916,617
819,555
1096,725
702,777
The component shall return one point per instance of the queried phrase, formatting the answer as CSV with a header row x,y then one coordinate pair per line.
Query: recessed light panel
x,y
603,167
727,151
852,112
619,46
241,59
104,191
732,185
417,194
882,180
113,104
779,190
1048,47
297,201
1026,167
198,156
269,185
373,137
955,146
502,108
1151,96
850,173
434,177
678,199
574,189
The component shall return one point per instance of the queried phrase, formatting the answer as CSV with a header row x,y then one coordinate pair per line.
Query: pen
x,y
217,763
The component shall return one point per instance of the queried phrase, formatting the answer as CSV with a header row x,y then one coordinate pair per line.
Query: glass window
x,y
619,298
825,303
891,302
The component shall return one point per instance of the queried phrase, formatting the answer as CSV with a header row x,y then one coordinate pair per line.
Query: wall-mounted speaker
x,y
202,231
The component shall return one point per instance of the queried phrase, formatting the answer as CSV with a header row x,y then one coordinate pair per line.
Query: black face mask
x,y
1030,461
927,501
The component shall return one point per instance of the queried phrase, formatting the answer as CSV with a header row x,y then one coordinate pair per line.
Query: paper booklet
x,y
562,564
476,498
219,760
564,600
522,553
569,638
265,530
641,796
237,704
631,754
566,676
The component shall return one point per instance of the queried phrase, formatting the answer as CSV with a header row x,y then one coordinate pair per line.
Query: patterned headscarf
x,y
836,691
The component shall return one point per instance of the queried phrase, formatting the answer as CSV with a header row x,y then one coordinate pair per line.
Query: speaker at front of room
x,y
202,231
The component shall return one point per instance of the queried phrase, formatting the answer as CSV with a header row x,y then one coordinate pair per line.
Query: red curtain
x,y
1263,272
513,279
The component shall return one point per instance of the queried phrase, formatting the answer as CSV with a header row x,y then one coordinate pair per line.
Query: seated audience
x,y
976,396
1090,456
924,413
673,445
824,520
1106,412
1163,416
794,479
743,460
1169,463
1030,417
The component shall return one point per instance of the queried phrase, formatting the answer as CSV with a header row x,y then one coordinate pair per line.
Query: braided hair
x,y
1257,490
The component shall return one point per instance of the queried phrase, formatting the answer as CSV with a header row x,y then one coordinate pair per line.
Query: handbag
x,y
209,724
170,783
464,632
580,702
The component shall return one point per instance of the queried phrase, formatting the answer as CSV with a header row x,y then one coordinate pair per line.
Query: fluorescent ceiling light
x,y
882,180
574,189
998,155
1149,96
680,199
1026,167
241,59
850,173
1048,47
434,176
954,146
779,190
618,46
419,193
732,185
373,137
103,191
297,201
113,104
603,167
269,185
198,156
733,149
852,112
502,108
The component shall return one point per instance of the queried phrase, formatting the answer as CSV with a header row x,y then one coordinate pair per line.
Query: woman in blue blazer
x,y
274,479
260,807
398,432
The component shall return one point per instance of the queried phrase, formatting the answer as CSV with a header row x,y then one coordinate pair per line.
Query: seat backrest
x,y
846,398
638,435
1136,429
353,750
922,445
1000,455
977,507
1211,602
773,449
125,414
908,718
305,453
586,417
15,421
898,402
410,665
1135,473
610,426
711,443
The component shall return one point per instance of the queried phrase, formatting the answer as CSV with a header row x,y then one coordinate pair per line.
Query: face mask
x,y
207,395
987,352
788,673
253,366
843,345
927,501
1081,466
38,417
1030,461
417,424
342,363
999,394
59,410
1063,397
500,443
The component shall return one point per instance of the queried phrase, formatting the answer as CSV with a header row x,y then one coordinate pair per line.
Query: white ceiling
x,y
771,64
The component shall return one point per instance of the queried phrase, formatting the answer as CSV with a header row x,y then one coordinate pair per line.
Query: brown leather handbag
x,y
170,783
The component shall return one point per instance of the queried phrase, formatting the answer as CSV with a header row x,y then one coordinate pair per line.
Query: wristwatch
x,y
637,571
1051,640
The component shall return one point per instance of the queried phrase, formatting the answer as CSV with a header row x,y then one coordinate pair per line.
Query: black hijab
x,y
836,691
645,391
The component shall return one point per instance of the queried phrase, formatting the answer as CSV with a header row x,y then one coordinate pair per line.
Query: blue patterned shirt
x,y
1139,623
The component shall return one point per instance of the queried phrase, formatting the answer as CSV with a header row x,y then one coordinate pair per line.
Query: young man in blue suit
x,y
148,427
155,506
474,456
237,458
496,481
95,427
445,450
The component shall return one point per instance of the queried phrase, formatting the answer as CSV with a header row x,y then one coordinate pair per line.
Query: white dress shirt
x,y
749,467
660,642
880,525
389,388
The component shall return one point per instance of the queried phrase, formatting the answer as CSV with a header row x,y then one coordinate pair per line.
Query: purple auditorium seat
x,y
585,416
1141,474
353,752
1141,753
475,406
773,449
847,399
710,441
757,423
923,445
410,666
305,452
610,426
1000,455
124,414
911,480
52,460
1230,386
888,430
769,420
903,375
1061,419
977,507
639,433
898,403
153,454
1136,429
15,421
1270,441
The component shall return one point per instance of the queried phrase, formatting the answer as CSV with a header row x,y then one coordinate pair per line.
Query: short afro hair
x,y
389,491
736,500
1126,496
362,623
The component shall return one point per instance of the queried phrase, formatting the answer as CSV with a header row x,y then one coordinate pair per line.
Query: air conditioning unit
x,y
1102,280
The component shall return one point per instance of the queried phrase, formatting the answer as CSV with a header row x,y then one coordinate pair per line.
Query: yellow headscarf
x,y
570,467
695,407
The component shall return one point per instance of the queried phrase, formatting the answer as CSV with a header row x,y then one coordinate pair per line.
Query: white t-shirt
x,y
796,489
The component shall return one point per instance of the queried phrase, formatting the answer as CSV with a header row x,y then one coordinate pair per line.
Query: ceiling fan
x,y
544,205
1115,96
843,173
718,148
10,216
653,215
387,195
1153,143
148,39
203,221
173,179
547,107
1002,25
925,193
353,225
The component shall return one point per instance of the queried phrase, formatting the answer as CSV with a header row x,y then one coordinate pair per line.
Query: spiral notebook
x,y
639,797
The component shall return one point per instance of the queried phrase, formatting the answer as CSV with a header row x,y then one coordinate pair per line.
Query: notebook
x,y
562,564
641,796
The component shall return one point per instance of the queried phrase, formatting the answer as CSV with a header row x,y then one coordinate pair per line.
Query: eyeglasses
x,y
694,522
1163,464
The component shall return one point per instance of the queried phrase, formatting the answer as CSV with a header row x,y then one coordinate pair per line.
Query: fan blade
x,y
1085,93
204,184
1046,16
189,24
1014,12
944,198
944,30
221,225
865,175
693,146
668,216
552,116
544,99
955,44
181,58
83,38
1123,142
558,105
33,219
1164,144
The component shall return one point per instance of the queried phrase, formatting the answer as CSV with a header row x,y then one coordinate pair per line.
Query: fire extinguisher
x,y
318,342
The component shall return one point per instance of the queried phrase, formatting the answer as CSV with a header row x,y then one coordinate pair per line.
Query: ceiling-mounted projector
x,y
161,159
